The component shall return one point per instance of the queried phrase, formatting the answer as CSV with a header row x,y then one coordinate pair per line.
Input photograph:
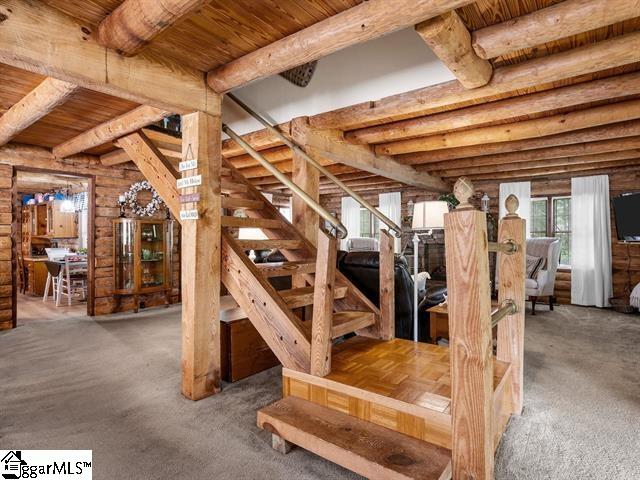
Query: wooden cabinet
x,y
34,228
36,276
141,257
61,224
243,351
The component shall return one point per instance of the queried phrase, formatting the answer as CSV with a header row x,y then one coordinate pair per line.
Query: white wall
x,y
394,64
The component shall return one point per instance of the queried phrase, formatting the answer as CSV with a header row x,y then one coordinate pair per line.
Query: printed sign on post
x,y
190,198
193,181
189,214
188,165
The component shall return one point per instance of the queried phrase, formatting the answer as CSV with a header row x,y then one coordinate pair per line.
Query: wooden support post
x,y
323,305
470,338
201,247
387,319
304,218
511,286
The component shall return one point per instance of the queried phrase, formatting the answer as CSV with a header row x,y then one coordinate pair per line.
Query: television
x,y
627,211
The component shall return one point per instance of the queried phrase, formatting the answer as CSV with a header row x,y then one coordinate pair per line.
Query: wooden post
x,y
511,286
470,347
387,327
323,305
200,254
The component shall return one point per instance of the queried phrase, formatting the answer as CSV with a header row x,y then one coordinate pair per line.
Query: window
x,y
369,224
551,217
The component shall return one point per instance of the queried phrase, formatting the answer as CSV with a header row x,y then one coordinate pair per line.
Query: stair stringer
x,y
268,313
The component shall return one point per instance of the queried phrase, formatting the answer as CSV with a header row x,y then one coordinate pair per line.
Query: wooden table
x,y
439,321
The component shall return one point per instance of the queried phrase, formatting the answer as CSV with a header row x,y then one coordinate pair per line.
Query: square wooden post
x,y
387,327
511,286
201,247
470,342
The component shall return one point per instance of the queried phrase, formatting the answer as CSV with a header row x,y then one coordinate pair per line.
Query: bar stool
x,y
53,277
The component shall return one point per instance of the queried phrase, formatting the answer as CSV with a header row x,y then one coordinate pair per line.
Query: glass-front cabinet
x,y
141,256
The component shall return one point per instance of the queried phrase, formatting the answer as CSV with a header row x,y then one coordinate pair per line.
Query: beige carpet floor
x,y
112,385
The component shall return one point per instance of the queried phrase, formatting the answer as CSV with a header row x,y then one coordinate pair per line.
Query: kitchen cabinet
x,y
61,224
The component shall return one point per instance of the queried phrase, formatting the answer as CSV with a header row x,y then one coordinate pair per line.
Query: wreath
x,y
131,199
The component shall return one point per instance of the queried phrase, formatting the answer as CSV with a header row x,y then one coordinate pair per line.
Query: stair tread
x,y
284,269
248,222
350,321
269,244
300,297
363,447
229,186
238,203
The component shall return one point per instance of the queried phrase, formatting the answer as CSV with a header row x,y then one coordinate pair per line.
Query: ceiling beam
x,y
41,39
594,134
358,24
114,158
561,20
330,144
621,50
135,23
450,40
110,130
526,156
563,97
32,107
539,127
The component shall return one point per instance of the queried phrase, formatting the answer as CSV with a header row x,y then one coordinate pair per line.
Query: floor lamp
x,y
427,216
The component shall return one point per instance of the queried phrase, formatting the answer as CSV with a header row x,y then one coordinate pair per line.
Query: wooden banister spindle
x,y
511,286
387,323
323,305
471,352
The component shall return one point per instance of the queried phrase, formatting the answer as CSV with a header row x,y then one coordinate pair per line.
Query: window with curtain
x,y
369,224
551,217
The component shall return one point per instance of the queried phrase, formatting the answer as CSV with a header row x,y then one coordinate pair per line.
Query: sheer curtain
x,y
350,217
522,190
390,204
591,282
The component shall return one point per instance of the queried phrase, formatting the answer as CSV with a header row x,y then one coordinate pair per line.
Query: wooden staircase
x,y
339,307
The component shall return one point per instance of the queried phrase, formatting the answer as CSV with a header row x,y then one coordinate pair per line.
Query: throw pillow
x,y
534,264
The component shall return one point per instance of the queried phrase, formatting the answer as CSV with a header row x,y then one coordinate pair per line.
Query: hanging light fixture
x,y
67,204
485,202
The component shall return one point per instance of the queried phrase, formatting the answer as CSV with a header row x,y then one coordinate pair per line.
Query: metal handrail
x,y
507,246
508,307
397,230
341,231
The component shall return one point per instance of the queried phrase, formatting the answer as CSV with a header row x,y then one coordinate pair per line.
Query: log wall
x,y
109,183
625,257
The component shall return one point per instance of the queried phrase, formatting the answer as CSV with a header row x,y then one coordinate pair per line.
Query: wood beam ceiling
x,y
617,51
363,22
450,40
111,130
135,23
41,39
561,20
36,104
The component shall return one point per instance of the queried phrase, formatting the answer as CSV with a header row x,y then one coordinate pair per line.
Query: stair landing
x,y
398,384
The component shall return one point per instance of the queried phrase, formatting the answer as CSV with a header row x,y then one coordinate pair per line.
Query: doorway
x,y
53,229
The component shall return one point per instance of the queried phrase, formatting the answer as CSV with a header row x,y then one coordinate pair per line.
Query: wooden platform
x,y
365,448
399,384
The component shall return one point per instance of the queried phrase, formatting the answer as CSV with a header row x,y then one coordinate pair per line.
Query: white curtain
x,y
522,190
591,282
390,204
350,217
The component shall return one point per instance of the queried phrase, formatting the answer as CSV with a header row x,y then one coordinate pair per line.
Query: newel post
x,y
511,286
470,341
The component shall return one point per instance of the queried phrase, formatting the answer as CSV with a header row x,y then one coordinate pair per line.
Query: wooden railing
x,y
477,419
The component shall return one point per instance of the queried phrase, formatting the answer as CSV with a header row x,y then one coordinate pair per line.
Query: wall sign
x,y
189,181
188,165
189,214
190,198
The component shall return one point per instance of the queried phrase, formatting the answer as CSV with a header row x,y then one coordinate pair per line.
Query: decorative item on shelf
x,y
485,202
427,216
121,203
131,198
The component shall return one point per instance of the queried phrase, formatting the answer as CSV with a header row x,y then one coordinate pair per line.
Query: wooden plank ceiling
x,y
225,30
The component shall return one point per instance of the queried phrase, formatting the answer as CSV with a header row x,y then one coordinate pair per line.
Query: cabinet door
x,y
124,260
152,255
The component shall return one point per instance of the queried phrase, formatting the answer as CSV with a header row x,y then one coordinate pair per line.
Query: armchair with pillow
x,y
543,256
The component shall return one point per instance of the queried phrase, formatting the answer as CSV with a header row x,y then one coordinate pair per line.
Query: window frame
x,y
374,229
550,227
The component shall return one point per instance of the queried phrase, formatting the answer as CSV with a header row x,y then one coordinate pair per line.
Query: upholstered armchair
x,y
543,283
